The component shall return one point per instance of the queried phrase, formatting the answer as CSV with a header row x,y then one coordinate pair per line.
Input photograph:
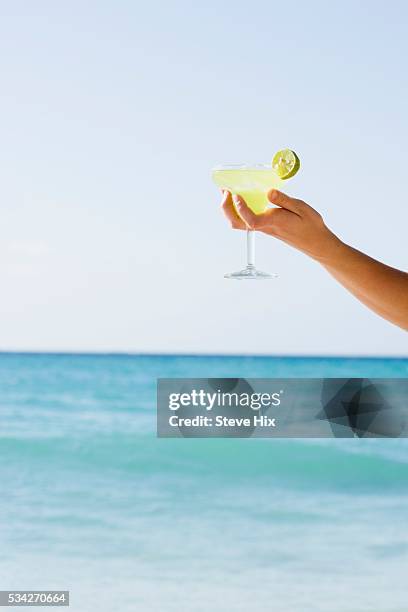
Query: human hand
x,y
293,222
382,288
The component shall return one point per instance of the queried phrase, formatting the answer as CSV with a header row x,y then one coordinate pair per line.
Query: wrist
x,y
330,250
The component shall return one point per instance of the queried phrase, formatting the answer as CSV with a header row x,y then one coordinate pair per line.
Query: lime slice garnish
x,y
285,163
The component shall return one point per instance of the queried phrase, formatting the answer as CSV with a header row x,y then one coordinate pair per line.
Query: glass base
x,y
250,273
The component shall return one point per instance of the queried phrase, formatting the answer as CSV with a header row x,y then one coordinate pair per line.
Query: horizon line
x,y
87,353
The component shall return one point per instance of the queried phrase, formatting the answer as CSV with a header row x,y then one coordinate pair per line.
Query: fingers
x,y
242,217
230,212
251,219
284,201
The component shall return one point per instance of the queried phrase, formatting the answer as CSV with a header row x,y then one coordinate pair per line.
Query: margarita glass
x,y
252,182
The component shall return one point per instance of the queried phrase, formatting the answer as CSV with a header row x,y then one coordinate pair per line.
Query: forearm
x,y
382,288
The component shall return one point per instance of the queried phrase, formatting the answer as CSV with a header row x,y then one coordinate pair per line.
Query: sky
x,y
112,115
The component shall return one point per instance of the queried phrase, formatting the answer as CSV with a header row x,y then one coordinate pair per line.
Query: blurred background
x,y
112,115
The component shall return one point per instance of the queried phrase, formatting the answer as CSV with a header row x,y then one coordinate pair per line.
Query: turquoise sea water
x,y
93,502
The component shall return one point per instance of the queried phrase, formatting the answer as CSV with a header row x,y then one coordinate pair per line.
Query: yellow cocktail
x,y
250,182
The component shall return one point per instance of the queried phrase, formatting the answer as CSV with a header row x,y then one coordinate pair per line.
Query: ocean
x,y
93,502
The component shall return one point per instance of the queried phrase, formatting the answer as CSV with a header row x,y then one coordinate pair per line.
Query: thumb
x,y
284,201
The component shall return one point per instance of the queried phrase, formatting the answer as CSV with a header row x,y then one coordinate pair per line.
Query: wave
x,y
344,465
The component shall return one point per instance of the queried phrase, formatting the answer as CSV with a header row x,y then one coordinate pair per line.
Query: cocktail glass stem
x,y
250,272
250,249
